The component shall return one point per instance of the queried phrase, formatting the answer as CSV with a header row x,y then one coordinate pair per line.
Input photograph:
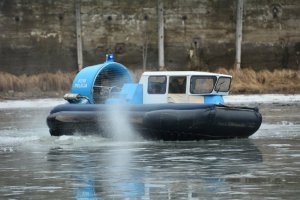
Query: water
x,y
34,165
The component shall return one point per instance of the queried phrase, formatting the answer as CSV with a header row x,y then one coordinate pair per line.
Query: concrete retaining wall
x,y
40,35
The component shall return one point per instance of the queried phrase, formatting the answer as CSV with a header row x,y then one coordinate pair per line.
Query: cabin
x,y
112,83
184,87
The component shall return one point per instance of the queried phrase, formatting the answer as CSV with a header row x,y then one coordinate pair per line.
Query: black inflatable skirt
x,y
157,121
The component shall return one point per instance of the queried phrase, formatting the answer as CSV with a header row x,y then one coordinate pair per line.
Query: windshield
x,y
223,84
202,84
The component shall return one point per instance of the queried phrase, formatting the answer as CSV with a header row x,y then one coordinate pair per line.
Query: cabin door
x,y
155,91
177,89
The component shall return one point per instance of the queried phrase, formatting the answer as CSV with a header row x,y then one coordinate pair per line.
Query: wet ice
x,y
34,165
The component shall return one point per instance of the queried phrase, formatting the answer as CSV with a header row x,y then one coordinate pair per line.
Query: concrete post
x,y
78,35
238,35
161,56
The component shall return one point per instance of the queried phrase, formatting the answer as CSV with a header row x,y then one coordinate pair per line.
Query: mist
x,y
118,124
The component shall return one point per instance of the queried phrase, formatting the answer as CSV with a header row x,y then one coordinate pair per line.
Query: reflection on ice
x,y
279,130
34,165
177,172
148,170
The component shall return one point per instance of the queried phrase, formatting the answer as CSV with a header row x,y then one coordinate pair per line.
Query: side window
x,y
223,84
157,84
177,84
202,84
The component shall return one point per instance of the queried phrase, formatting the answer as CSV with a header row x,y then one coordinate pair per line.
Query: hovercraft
x,y
163,105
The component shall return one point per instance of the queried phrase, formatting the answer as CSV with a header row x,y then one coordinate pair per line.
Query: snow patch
x,y
51,102
33,103
264,98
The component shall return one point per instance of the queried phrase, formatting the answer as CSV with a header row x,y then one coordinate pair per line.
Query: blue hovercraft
x,y
163,105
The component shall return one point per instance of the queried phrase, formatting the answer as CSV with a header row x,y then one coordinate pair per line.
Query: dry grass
x,y
55,84
249,81
44,84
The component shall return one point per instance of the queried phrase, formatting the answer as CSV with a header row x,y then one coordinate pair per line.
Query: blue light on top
x,y
110,57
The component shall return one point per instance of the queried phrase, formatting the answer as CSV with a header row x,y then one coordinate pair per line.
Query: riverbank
x,y
44,85
248,81
245,81
241,100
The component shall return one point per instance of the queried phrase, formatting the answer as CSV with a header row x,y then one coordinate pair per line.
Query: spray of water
x,y
121,151
118,124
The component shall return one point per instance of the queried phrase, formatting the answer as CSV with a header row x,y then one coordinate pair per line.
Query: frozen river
x,y
34,165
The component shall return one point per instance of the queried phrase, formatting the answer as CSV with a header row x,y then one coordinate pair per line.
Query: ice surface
x,y
265,98
32,103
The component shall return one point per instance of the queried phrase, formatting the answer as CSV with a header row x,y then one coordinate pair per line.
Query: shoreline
x,y
234,100
59,94
31,95
245,82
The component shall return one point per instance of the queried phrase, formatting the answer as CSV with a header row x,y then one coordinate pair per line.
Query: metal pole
x,y
78,35
161,57
238,35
